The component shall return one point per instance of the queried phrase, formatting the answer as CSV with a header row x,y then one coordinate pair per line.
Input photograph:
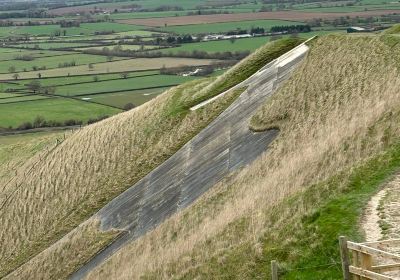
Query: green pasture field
x,y
84,29
110,26
57,109
133,15
6,95
22,98
9,55
59,81
5,86
52,62
148,14
245,44
124,47
226,26
348,9
151,4
116,36
55,45
127,65
121,84
120,99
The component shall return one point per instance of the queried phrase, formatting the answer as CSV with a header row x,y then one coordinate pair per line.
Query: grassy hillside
x,y
88,169
15,150
338,116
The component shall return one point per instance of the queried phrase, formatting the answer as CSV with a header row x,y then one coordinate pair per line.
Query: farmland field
x,y
56,109
121,85
120,99
285,15
246,44
54,45
227,26
124,47
6,95
21,98
59,81
112,67
84,29
51,62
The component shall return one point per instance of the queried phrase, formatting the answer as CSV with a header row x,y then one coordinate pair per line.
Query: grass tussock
x,y
334,115
97,163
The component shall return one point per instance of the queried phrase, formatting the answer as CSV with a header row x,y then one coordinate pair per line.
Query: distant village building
x,y
355,29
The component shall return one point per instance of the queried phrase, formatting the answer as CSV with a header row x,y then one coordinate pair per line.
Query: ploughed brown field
x,y
285,15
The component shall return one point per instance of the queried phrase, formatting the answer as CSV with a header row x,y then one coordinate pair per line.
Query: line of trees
x,y
41,122
237,55
300,28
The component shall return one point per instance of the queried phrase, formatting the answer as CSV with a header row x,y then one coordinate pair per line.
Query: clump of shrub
x,y
67,64
25,57
40,122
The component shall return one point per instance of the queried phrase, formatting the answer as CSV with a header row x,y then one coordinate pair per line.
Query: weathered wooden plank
x,y
344,255
371,251
368,274
386,267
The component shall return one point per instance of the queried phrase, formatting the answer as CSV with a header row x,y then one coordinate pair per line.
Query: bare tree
x,y
34,86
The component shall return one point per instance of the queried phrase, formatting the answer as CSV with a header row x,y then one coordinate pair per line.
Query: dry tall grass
x,y
85,171
69,183
341,106
15,150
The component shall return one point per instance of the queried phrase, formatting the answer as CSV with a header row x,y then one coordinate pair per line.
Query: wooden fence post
x,y
274,270
366,263
344,255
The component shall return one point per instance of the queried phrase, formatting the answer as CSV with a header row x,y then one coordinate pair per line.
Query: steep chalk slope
x,y
338,116
55,192
224,146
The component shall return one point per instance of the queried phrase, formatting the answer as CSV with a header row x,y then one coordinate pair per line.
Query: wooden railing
x,y
369,260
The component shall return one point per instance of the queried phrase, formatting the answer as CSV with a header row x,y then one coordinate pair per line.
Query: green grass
x,y
52,62
84,29
245,68
58,81
8,95
124,47
245,44
226,26
55,45
120,99
22,98
338,214
304,229
121,84
347,9
57,109
7,54
395,29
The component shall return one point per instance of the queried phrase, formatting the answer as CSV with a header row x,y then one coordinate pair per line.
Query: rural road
x,y
224,146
